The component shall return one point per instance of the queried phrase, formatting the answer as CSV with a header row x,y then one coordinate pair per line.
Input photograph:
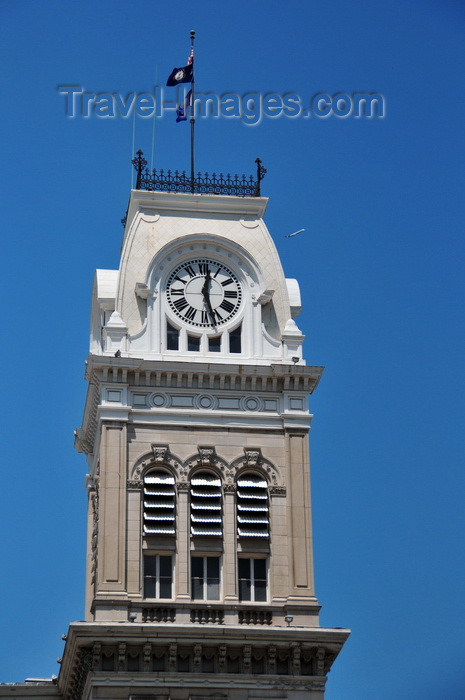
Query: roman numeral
x,y
180,280
203,268
190,271
180,304
176,292
225,283
231,294
204,317
227,306
190,313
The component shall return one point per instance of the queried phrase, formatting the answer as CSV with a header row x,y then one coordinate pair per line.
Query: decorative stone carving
x,y
172,657
160,453
197,657
134,484
96,651
182,486
320,662
272,659
247,659
289,662
222,658
94,539
296,660
278,491
206,455
253,459
252,456
147,655
159,399
121,656
205,402
229,488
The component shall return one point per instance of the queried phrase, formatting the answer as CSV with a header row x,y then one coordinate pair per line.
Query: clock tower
x,y
199,558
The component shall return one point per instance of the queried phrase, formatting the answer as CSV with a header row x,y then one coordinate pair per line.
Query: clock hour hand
x,y
206,284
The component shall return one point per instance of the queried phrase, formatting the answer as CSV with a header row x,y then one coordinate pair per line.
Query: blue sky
x,y
381,272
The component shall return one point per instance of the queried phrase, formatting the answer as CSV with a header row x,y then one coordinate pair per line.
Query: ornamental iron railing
x,y
175,181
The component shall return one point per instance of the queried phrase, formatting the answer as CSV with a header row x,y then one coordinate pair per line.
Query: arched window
x,y
159,503
252,506
206,508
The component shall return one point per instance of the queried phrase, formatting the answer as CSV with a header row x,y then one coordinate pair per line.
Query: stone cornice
x,y
275,377
203,204
220,655
271,396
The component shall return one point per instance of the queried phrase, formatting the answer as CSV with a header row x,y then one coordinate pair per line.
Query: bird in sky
x,y
295,233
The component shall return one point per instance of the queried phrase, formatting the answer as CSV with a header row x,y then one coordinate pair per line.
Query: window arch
x,y
253,517
159,503
206,505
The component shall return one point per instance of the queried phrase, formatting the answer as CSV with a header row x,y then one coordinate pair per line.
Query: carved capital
x,y
278,491
134,484
182,486
229,488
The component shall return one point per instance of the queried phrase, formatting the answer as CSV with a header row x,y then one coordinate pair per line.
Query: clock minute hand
x,y
206,295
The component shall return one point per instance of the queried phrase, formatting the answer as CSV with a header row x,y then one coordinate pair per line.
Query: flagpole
x,y
192,119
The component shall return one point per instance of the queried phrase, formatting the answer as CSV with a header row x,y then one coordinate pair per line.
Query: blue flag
x,y
183,110
183,75
180,75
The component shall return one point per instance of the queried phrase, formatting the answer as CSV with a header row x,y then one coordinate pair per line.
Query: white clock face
x,y
203,293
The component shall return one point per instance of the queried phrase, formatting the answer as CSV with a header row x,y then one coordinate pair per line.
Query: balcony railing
x,y
176,181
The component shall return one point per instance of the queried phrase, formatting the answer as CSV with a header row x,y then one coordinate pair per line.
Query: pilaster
x,y
112,513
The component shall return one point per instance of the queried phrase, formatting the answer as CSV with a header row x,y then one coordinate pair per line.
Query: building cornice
x,y
186,203
278,377
287,657
272,397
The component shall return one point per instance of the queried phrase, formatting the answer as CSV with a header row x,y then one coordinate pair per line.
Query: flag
x,y
183,75
180,75
183,110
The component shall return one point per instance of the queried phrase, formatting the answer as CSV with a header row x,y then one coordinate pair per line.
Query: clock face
x,y
203,292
